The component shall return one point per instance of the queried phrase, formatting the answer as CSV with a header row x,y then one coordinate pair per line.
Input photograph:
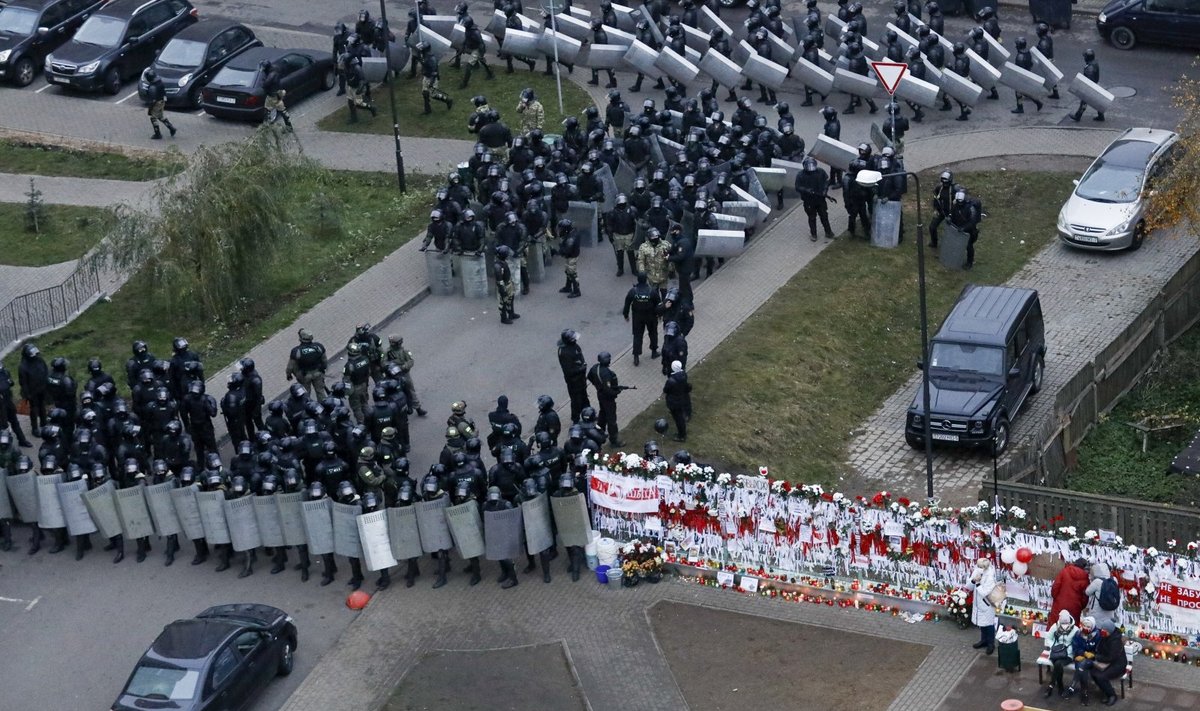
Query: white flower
x,y
777,485
1152,551
1132,549
839,497
1017,512
1090,534
709,471
631,461
724,478
982,506
895,506
1067,531
1172,543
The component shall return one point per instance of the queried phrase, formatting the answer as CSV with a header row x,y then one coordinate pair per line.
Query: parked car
x,y
116,43
236,91
32,29
219,660
194,56
1125,23
987,358
1106,211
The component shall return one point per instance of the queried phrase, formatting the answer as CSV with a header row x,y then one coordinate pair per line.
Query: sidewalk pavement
x,y
87,192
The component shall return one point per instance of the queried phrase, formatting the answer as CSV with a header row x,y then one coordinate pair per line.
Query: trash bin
x,y
1056,13
1008,656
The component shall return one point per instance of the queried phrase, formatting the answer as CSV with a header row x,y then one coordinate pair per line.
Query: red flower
x,y
877,499
904,501
826,496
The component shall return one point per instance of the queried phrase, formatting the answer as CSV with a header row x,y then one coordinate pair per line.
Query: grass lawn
x,y
503,92
44,159
1111,460
68,233
376,219
791,384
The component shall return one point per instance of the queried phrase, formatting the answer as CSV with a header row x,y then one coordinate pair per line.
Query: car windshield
x,y
17,21
163,683
236,77
101,31
1117,175
182,53
961,357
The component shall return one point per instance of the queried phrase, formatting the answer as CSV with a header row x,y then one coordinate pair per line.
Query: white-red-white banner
x,y
1181,602
623,493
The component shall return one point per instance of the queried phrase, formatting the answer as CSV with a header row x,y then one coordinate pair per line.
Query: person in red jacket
x,y
1067,591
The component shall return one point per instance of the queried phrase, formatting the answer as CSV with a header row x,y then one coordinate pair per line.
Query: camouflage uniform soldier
x,y
474,48
157,94
532,114
402,357
429,78
307,364
358,372
274,105
506,289
569,249
652,260
360,92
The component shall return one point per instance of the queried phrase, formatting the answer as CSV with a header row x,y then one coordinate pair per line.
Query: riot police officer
x,y
965,214
943,195
641,307
813,185
1024,60
548,421
307,364
604,380
156,97
1091,70
33,374
430,87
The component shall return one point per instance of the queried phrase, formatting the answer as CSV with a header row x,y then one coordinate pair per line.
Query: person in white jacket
x,y
983,614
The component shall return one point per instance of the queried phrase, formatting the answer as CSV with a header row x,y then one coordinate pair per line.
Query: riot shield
x,y
1022,81
644,12
764,211
709,20
496,24
102,507
695,39
373,536
23,490
640,58
741,52
584,215
677,67
474,276
961,88
439,45
212,516
243,526
270,527
535,258
520,43
466,529
729,223
619,37
571,517
573,27
187,510
609,183
291,518
952,247
906,40
772,179
568,47
856,84
764,71
727,72
403,533
720,243
318,525
781,52
813,76
75,513
431,522
918,91
441,24
6,507
885,224
1046,69
135,516
162,511
835,27
345,530
791,170
398,56
603,56
1091,93
982,73
747,210
50,513
440,272
535,515
504,534
997,54
374,69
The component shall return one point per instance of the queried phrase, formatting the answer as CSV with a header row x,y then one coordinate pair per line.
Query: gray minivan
x,y
987,358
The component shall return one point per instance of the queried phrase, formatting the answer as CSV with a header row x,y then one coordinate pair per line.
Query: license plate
x,y
1089,239
226,100
945,437
58,80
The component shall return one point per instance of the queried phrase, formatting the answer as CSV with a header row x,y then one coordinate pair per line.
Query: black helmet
x,y
1089,55
976,33
588,414
1042,29
660,425
569,335
1022,43
565,225
150,75
604,358
828,112
946,177
614,96
316,491
959,49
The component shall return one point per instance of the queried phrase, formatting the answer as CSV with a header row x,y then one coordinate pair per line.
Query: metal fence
x,y
49,307
1137,522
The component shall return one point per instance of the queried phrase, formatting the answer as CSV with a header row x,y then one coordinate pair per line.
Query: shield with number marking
x,y
50,513
162,510
571,517
103,509
187,510
70,495
373,536
318,525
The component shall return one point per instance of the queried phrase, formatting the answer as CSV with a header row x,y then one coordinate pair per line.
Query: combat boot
x,y
1099,116
871,103
448,102
659,85
487,72
637,85
549,70
35,541
945,104
532,64
428,106
280,560
157,134
1076,116
612,80
511,572
508,61
919,116
964,112
566,289
532,564
80,547
595,80
474,568
171,128
545,558
574,290
373,109
5,535
354,109
118,544
524,280
466,77
201,551
385,579
1038,104
504,319
1054,94
621,264
143,547
443,567
410,575
356,575
172,546
994,95
224,552
248,566
1020,108
576,554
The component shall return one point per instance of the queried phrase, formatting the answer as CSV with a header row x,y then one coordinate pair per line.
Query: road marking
x,y
200,112
127,97
28,603
43,88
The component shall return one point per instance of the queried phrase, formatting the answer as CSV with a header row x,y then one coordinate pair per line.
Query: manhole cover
x,y
1122,92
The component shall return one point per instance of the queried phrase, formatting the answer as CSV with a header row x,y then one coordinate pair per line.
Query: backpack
x,y
1109,598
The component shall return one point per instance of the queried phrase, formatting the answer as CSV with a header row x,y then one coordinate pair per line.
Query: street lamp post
x,y
392,100
871,178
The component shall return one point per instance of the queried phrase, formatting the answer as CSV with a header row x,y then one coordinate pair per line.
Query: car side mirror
x,y
1014,371
1076,182
134,39
43,31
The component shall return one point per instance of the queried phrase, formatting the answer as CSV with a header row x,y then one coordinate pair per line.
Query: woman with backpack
x,y
1104,595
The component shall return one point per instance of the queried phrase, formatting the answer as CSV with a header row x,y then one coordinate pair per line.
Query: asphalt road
x,y
71,632
91,621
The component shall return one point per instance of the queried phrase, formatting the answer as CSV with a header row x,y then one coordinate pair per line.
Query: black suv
x,y
31,29
116,43
989,355
194,56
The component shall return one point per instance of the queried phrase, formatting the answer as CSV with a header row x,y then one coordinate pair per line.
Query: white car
x,y
1106,209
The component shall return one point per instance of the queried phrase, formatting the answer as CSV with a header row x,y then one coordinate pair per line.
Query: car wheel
x,y
1123,38
193,97
112,81
286,658
914,441
1000,437
1039,373
1139,236
24,71
328,80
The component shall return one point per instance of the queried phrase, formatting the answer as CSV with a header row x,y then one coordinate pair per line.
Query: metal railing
x,y
49,307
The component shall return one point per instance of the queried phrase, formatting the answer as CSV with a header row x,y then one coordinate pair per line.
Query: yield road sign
x,y
890,74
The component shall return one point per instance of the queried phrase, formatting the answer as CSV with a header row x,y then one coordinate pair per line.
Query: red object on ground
x,y
357,600
1011,705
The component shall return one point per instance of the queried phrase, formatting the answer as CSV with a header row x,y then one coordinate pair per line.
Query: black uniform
x,y
602,377
943,195
678,394
574,368
813,186
32,374
965,216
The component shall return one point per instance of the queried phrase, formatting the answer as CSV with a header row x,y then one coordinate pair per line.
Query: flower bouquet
x,y
958,606
641,560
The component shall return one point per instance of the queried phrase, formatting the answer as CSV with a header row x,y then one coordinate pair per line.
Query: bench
x,y
1132,649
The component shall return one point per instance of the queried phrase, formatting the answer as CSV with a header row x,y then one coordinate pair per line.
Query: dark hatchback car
x,y
988,357
31,29
1125,23
220,660
116,43
194,56
236,91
